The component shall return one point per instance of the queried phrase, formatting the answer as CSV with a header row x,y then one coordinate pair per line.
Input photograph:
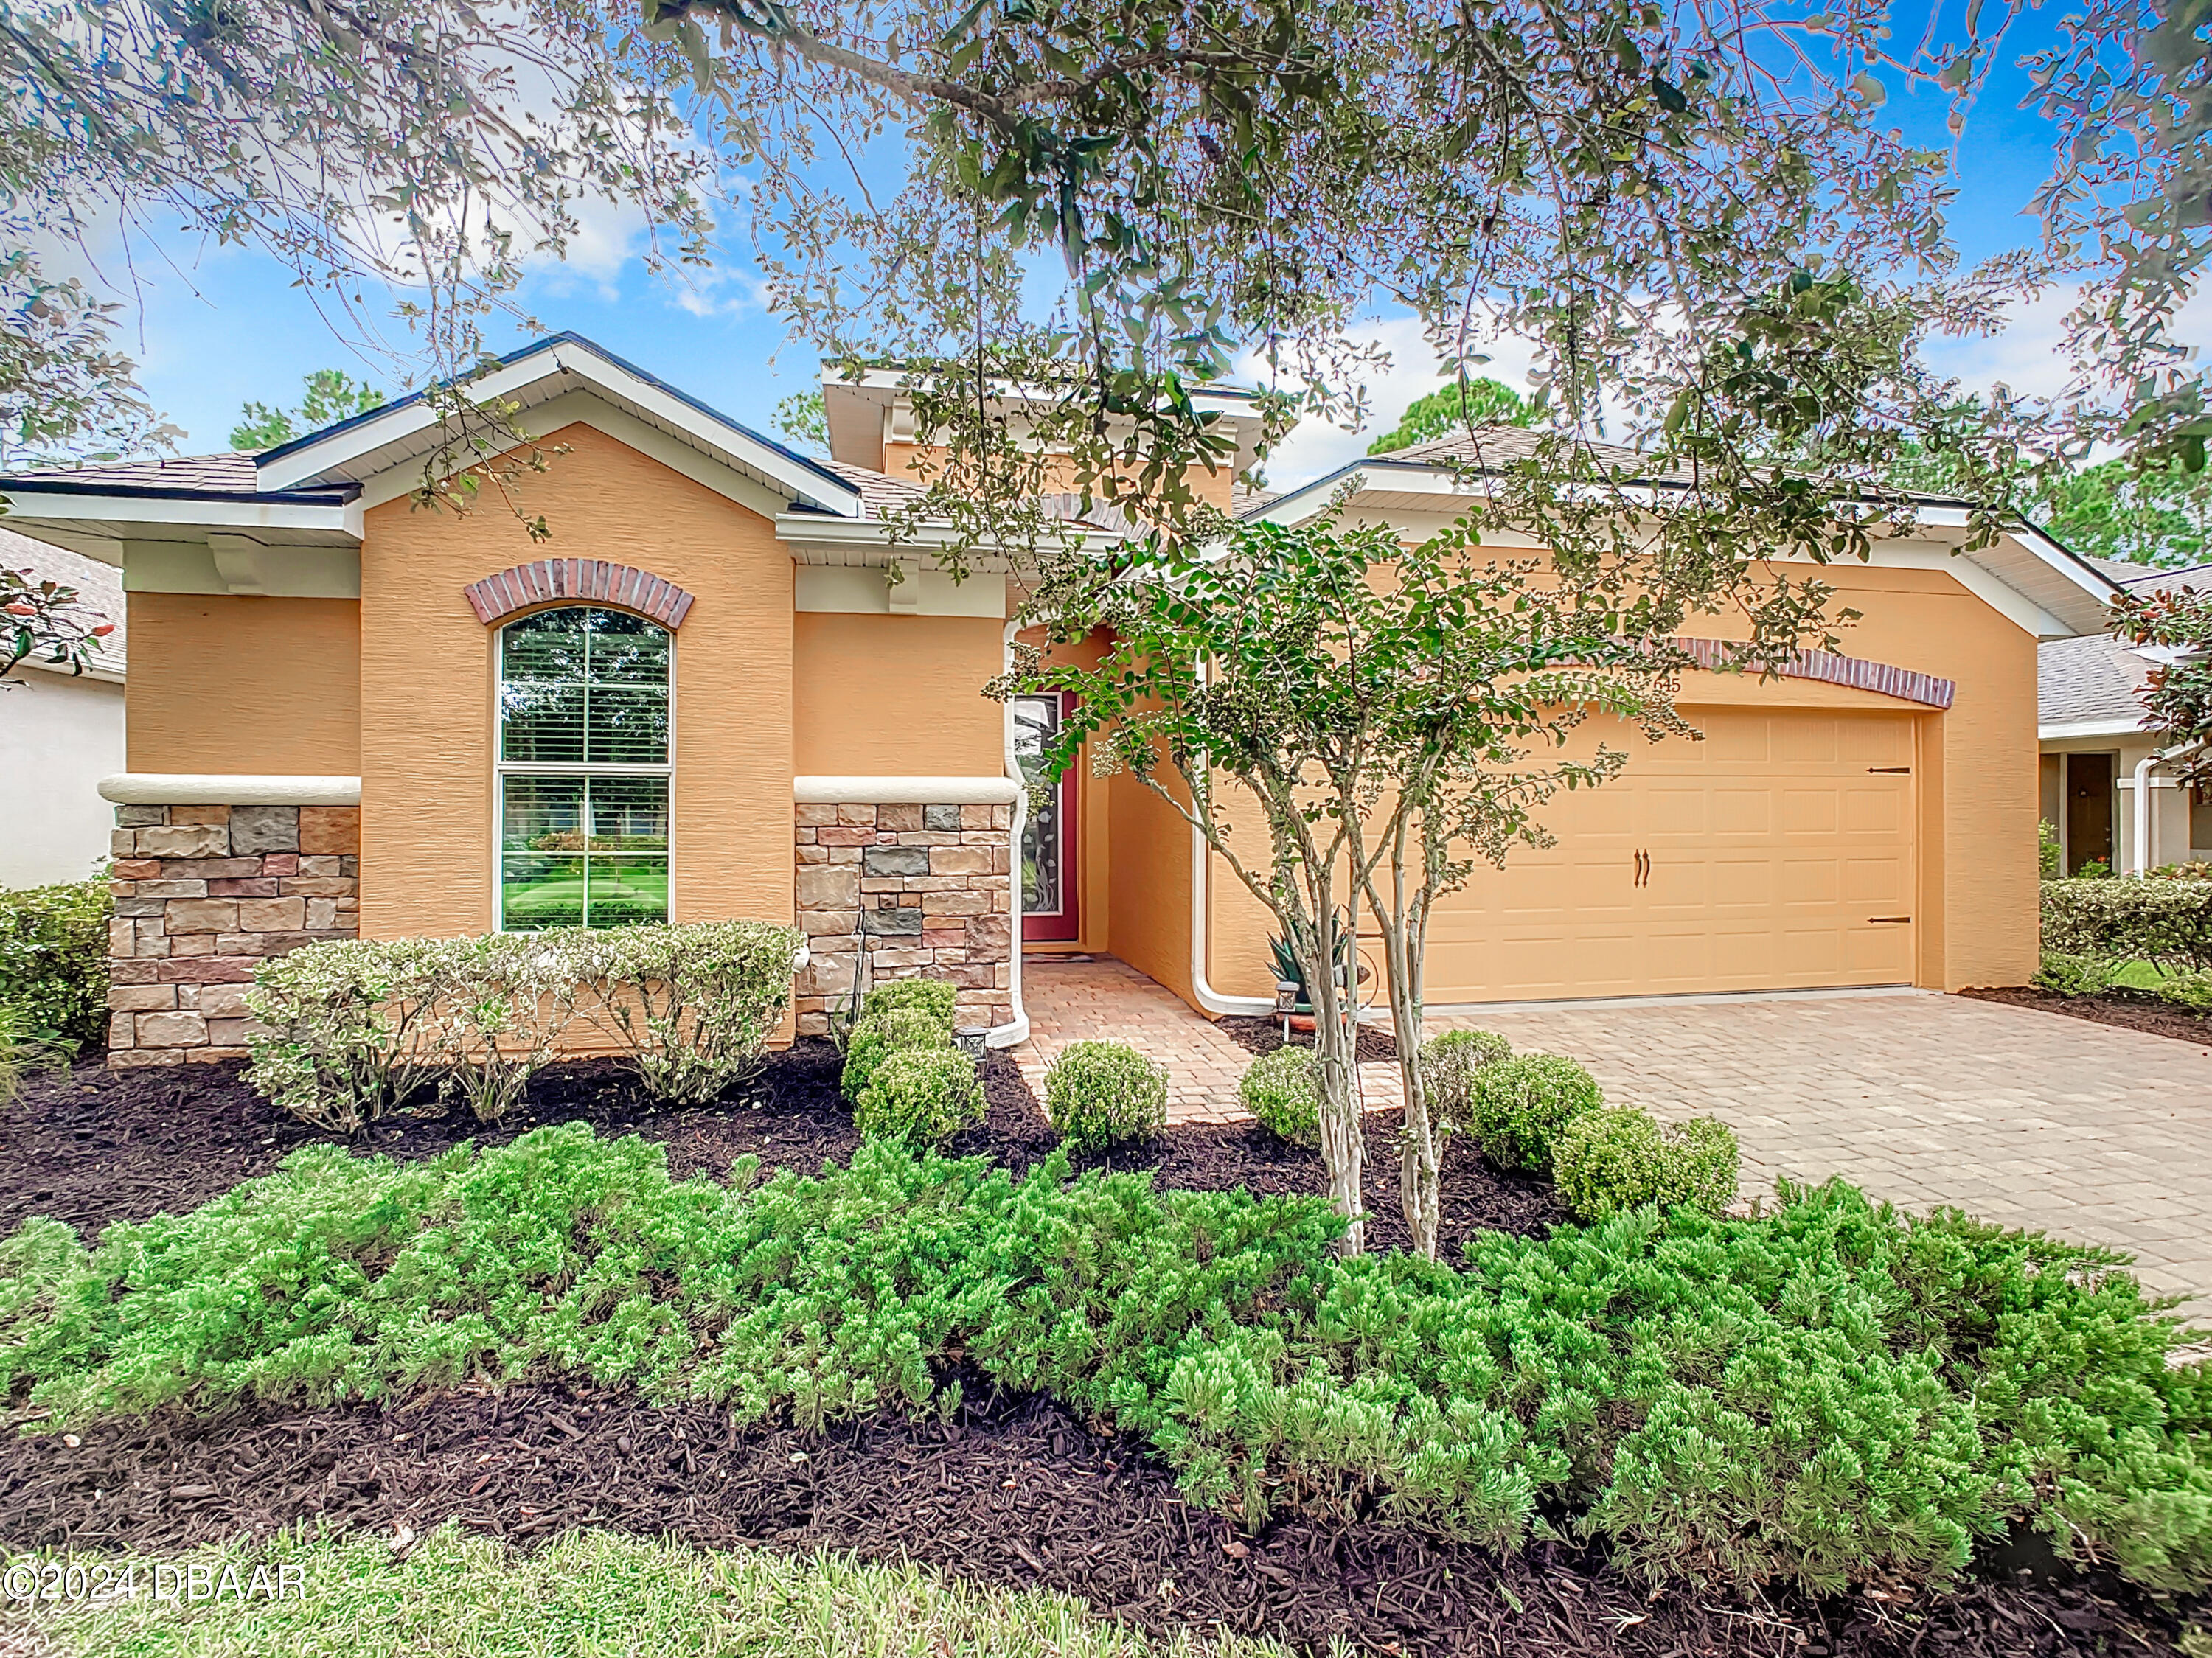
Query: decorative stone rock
x,y
895,860
871,877
265,829
203,893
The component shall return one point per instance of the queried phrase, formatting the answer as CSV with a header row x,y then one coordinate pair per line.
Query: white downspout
x,y
1201,989
1015,1031
2143,824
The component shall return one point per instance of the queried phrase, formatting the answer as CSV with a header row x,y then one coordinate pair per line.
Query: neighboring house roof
x,y
2155,578
2093,686
2092,683
100,588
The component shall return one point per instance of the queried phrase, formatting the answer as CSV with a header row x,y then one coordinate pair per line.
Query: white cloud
x,y
1317,449
2029,354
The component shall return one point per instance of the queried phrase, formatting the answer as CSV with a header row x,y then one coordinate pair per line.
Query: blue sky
x,y
226,326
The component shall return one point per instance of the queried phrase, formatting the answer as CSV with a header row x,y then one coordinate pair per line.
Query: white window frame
x,y
502,768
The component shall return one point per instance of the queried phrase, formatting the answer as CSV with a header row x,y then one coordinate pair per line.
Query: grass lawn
x,y
588,1595
2142,975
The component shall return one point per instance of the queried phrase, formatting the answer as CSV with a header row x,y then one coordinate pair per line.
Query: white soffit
x,y
98,526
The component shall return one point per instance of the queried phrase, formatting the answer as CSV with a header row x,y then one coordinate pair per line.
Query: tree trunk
x,y
1420,1181
1343,1129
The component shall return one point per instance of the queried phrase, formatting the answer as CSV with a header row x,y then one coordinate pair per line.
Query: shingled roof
x,y
100,586
2096,680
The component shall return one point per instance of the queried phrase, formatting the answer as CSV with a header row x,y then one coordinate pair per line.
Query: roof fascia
x,y
197,512
585,406
815,529
2066,730
310,457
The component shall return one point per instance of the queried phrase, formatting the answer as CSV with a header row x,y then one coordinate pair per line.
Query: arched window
x,y
583,769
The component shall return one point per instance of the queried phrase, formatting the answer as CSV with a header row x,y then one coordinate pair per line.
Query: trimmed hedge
x,y
892,1030
1831,1391
53,962
356,1026
2168,922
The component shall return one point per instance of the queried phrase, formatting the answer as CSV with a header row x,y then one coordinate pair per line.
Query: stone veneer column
x,y
936,884
202,895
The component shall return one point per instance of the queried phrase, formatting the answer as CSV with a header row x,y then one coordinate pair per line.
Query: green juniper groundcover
x,y
1830,1392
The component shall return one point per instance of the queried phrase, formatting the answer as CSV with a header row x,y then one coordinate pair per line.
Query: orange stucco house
x,y
705,697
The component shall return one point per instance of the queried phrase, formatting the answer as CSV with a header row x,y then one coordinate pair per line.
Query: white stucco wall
x,y
59,737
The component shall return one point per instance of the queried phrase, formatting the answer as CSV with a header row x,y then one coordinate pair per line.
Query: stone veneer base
x,y
202,895
935,884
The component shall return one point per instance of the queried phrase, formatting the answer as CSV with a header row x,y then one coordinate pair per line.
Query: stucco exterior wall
x,y
224,684
896,695
926,464
59,735
427,679
1975,772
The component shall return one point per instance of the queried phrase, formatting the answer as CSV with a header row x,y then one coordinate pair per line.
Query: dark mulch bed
x,y
2130,1012
1013,1491
90,1146
1266,1035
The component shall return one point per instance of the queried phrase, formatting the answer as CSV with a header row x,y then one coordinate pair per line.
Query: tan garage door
x,y
1775,855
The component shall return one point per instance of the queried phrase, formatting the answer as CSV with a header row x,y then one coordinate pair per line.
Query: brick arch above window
x,y
585,580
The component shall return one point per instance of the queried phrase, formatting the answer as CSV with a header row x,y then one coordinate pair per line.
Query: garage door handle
x,y
1887,921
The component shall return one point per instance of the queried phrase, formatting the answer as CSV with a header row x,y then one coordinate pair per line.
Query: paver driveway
x,y
2028,1118
2020,1116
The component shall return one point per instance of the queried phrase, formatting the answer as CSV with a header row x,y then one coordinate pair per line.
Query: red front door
x,y
1050,839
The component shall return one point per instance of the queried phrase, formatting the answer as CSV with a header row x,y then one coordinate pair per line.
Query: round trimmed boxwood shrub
x,y
934,997
1283,1090
1516,1108
1102,1094
920,1096
1448,1065
1622,1157
876,1038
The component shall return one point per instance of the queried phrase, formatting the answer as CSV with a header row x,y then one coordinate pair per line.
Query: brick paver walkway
x,y
1073,1001
2022,1117
2026,1118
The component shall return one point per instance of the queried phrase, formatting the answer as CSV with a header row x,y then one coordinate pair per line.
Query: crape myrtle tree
x,y
1348,720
